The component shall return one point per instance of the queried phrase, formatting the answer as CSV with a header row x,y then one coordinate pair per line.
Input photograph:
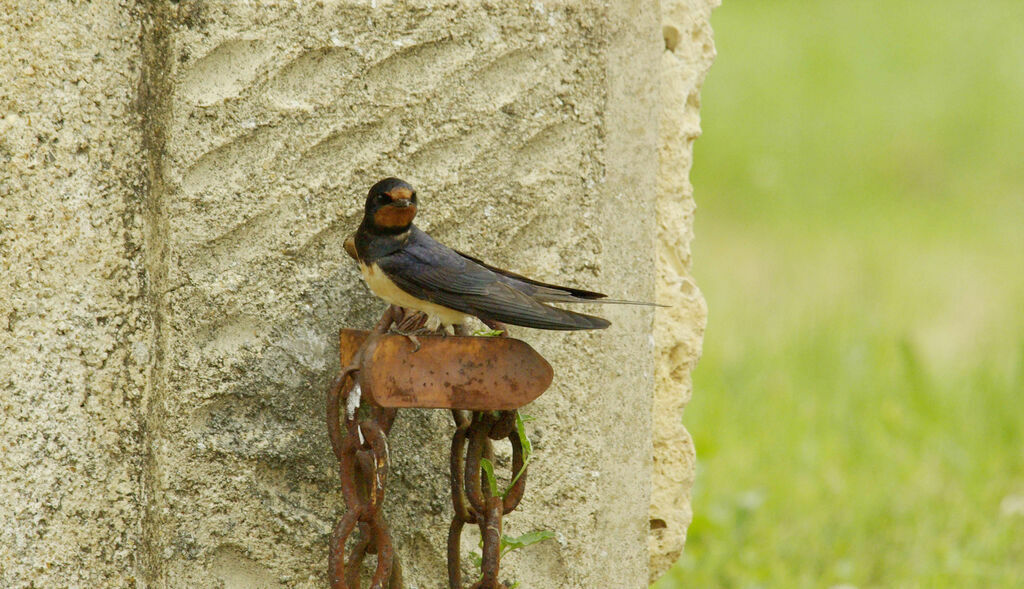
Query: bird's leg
x,y
409,324
405,322
410,320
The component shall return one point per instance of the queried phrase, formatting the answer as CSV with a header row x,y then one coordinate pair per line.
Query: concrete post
x,y
75,328
177,181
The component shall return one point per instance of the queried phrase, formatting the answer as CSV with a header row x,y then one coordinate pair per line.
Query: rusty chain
x,y
362,455
472,498
361,448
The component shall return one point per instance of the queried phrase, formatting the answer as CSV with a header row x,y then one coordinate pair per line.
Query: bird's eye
x,y
383,197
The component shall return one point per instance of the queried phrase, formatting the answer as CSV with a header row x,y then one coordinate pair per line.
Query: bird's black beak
x,y
401,203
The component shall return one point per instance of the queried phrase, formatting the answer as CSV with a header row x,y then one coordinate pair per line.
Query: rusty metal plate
x,y
478,373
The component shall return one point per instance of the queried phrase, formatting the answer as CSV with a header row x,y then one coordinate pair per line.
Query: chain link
x,y
472,499
362,455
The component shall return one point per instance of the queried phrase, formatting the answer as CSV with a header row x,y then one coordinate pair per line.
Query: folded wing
x,y
431,271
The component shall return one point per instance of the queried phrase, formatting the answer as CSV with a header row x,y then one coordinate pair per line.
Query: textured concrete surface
x,y
679,329
74,328
177,182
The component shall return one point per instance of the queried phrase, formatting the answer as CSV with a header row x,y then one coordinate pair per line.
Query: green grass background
x,y
859,409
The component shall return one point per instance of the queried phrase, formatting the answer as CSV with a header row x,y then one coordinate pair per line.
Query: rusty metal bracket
x,y
446,372
490,377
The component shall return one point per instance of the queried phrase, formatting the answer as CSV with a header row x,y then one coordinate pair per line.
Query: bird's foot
x,y
412,335
415,342
410,320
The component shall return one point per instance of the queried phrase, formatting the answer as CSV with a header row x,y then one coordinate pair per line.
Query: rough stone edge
x,y
679,328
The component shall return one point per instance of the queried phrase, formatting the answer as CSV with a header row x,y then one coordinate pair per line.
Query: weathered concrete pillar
x,y
74,322
177,182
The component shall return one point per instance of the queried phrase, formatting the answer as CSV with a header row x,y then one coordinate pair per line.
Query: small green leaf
x,y
510,543
521,430
487,333
527,452
478,560
488,469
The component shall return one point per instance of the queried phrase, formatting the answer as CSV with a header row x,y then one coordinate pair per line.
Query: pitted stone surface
x,y
74,330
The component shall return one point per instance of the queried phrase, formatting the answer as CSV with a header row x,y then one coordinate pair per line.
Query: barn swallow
x,y
406,267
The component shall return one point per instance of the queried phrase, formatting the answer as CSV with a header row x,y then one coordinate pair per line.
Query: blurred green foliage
x,y
859,410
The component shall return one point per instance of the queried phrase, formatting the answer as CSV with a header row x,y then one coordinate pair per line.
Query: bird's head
x,y
390,206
